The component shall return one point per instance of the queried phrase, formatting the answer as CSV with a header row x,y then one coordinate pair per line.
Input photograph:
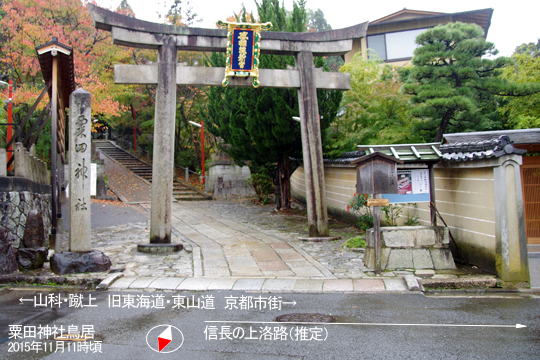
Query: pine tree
x,y
257,123
453,84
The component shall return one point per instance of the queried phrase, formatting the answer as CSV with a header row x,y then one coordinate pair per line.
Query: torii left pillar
x,y
163,158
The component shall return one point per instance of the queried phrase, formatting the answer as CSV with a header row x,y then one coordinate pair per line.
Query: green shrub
x,y
355,243
262,184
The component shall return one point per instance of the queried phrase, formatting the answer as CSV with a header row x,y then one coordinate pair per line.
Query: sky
x,y
513,22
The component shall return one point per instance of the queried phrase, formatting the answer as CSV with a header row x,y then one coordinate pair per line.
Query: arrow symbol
x,y
22,300
164,338
289,303
517,326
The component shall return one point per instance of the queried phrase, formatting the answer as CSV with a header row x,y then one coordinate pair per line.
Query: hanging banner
x,y
243,50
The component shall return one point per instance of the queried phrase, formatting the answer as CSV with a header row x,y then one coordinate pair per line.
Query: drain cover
x,y
306,318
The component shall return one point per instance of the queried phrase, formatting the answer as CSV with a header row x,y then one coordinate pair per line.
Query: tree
x,y
30,23
257,123
523,112
374,109
317,21
453,84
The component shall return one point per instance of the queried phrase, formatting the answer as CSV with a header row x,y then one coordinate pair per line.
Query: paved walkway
x,y
125,184
226,247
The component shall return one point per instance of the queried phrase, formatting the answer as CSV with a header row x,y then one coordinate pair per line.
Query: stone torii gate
x,y
167,73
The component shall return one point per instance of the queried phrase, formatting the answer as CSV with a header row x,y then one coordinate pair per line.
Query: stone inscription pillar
x,y
510,232
164,122
312,147
79,171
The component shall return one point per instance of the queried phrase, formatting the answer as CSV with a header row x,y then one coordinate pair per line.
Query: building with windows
x,y
393,37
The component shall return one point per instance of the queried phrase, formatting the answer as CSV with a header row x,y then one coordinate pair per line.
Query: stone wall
x,y
15,207
25,223
226,179
481,201
411,247
29,167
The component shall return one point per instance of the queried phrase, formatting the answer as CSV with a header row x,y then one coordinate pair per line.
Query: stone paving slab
x,y
198,283
248,284
338,285
279,285
368,285
142,282
166,283
222,284
308,285
123,283
395,284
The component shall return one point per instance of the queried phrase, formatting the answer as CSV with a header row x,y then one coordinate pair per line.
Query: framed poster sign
x,y
413,186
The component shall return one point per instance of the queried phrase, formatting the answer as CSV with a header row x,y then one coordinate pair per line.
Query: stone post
x,y
23,167
312,147
79,170
511,246
3,162
163,164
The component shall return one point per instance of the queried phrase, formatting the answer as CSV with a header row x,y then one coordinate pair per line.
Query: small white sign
x,y
93,179
420,181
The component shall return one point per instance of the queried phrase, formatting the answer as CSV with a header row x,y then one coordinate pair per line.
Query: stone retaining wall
x,y
14,209
411,247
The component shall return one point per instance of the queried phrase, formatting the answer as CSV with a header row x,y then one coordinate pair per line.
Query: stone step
x,y
192,198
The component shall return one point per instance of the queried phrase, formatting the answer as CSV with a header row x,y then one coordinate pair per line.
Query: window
x,y
394,46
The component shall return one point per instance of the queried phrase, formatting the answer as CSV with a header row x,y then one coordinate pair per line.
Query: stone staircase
x,y
143,170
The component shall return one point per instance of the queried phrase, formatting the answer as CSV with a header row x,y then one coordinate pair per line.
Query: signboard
x,y
413,186
376,173
378,202
93,179
243,50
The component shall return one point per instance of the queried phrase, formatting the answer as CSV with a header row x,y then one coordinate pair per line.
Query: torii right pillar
x,y
312,147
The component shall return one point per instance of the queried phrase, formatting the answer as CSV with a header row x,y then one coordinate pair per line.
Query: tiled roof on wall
x,y
474,150
345,158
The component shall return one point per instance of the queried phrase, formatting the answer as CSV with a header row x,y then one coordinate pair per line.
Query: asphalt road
x,y
123,330
110,214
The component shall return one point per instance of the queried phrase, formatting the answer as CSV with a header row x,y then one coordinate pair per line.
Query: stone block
x,y
422,259
31,259
395,284
3,162
76,263
443,236
400,259
34,233
398,238
411,282
14,198
425,237
8,253
369,258
442,259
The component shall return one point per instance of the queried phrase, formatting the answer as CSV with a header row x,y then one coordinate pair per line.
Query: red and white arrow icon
x,y
164,338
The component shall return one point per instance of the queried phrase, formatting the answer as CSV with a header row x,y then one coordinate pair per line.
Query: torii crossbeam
x,y
169,39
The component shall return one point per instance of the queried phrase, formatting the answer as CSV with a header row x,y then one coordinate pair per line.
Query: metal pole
x,y
134,138
9,119
433,214
202,146
54,139
377,234
187,174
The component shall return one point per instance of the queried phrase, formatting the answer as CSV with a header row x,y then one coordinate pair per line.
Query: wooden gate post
x,y
312,147
163,162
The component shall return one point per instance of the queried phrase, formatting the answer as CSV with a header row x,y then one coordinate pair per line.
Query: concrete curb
x,y
104,285
463,282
